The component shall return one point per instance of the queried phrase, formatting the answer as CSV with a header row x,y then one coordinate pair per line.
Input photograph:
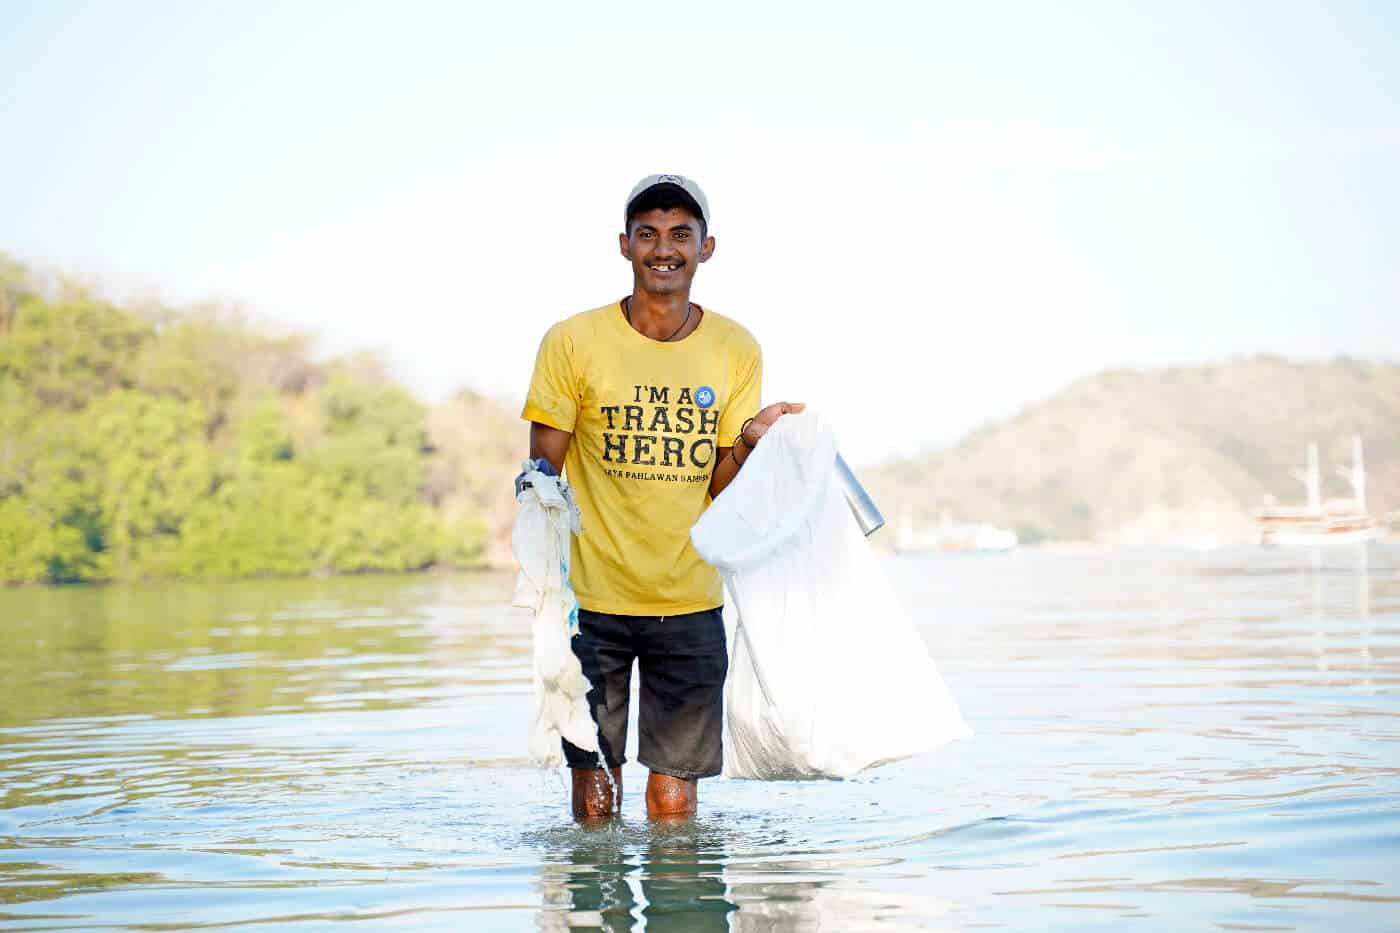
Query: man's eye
x,y
682,235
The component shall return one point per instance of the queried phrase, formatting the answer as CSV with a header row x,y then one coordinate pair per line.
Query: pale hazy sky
x,y
930,214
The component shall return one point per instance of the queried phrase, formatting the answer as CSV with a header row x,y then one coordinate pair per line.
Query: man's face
x,y
665,248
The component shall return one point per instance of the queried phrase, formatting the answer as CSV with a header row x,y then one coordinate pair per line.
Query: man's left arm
x,y
729,460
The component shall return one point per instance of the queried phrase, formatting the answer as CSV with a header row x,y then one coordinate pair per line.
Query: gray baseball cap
x,y
681,182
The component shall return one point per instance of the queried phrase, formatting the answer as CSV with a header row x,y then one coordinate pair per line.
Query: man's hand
x,y
729,460
766,418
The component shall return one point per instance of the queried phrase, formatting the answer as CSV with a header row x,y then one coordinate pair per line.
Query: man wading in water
x,y
649,406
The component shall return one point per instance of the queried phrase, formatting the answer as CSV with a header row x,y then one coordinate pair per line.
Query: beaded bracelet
x,y
741,440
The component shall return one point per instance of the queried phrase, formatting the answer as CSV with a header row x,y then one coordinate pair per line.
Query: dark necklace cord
x,y
627,313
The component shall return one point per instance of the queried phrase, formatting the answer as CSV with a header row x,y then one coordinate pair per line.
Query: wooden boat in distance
x,y
1323,524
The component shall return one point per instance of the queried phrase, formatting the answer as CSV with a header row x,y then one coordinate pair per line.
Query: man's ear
x,y
624,246
707,248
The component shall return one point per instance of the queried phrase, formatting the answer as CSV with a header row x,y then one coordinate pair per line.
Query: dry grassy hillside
x,y
1149,457
478,444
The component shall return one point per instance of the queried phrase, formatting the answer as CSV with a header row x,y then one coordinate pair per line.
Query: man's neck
x,y
656,316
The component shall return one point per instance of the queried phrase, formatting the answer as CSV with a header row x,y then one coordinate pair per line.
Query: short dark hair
x,y
666,197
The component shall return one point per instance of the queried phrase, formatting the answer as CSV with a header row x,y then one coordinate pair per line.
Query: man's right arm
x,y
550,443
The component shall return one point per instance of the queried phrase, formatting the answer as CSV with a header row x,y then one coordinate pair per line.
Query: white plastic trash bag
x,y
827,675
547,516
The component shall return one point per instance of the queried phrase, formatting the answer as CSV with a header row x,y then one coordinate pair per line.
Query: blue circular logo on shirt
x,y
704,396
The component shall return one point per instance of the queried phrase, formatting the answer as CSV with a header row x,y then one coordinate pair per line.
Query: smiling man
x,y
649,406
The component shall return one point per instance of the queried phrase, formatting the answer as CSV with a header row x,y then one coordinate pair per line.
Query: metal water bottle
x,y
863,507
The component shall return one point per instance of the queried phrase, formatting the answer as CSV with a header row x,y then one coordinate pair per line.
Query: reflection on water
x,y
688,877
1164,740
669,875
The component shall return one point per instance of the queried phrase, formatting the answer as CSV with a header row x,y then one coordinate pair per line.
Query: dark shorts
x,y
683,660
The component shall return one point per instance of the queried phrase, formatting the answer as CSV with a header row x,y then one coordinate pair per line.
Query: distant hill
x,y
1137,457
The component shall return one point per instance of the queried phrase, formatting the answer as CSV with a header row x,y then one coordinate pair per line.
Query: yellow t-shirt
x,y
646,418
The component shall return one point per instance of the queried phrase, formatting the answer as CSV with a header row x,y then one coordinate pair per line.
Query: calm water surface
x,y
1164,741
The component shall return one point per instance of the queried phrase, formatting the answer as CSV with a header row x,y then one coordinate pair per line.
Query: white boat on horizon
x,y
1323,524
950,536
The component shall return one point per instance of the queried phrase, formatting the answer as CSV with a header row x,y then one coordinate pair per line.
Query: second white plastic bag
x,y
544,521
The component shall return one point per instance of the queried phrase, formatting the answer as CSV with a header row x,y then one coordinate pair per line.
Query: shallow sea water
x,y
1165,741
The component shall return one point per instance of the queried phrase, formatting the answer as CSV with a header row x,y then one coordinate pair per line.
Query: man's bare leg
x,y
594,795
669,796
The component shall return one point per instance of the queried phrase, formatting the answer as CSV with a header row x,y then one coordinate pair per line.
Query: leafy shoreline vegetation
x,y
145,443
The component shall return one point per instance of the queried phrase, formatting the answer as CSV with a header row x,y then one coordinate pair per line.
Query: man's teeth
x,y
660,268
